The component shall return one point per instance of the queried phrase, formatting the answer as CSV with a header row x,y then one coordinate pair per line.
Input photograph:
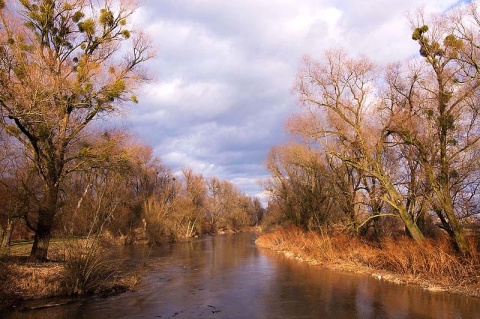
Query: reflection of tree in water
x,y
228,277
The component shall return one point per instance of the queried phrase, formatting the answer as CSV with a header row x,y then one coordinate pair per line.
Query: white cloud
x,y
225,70
200,100
200,167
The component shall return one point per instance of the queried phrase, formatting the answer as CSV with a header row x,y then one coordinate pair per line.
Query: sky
x,y
224,71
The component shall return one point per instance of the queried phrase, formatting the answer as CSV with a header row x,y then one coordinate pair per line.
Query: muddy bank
x,y
83,273
23,280
399,263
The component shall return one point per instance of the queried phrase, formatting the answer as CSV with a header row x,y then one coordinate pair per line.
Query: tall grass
x,y
21,280
87,268
77,266
434,262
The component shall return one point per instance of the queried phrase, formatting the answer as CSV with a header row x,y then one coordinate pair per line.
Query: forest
x,y
381,174
72,184
65,68
384,151
122,192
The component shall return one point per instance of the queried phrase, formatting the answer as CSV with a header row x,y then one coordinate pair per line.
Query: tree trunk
x,y
43,230
42,236
458,234
410,224
395,201
445,196
7,233
40,246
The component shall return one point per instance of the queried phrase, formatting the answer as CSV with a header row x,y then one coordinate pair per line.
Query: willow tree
x,y
440,114
341,100
63,63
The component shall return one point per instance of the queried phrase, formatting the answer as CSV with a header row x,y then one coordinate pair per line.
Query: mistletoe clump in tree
x,y
63,63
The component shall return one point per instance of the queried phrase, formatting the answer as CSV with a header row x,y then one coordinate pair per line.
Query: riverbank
x,y
75,268
434,267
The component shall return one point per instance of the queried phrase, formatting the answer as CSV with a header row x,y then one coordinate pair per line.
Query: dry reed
x,y
435,263
79,266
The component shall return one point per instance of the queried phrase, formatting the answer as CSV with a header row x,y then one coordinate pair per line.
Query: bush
x,y
87,268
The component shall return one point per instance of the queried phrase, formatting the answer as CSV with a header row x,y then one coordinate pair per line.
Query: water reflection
x,y
229,277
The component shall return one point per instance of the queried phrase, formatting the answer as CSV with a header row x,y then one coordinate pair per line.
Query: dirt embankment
x,y
434,267
76,270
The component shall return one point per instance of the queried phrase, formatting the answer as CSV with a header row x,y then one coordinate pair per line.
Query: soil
x,y
22,280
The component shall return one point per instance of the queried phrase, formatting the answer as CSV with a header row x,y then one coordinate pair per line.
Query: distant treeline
x,y
121,190
64,64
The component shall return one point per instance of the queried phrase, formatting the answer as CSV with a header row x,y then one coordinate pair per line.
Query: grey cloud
x,y
225,69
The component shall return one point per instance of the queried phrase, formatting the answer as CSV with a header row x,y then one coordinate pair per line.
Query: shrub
x,y
87,268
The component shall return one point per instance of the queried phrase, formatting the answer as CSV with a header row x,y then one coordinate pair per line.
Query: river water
x,y
229,277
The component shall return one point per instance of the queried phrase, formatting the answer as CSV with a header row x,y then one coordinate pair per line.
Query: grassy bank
x,y
433,266
76,267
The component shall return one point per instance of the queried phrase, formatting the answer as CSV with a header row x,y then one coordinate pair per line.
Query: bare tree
x,y
63,63
300,185
340,96
16,186
435,110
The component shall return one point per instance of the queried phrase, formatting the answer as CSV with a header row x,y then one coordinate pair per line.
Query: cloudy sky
x,y
225,68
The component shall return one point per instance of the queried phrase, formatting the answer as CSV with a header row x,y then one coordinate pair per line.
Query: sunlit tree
x,y
340,97
63,63
300,186
435,112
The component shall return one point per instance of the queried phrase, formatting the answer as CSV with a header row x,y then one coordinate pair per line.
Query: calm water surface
x,y
229,277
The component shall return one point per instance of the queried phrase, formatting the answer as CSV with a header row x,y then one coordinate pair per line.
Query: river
x,y
229,277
